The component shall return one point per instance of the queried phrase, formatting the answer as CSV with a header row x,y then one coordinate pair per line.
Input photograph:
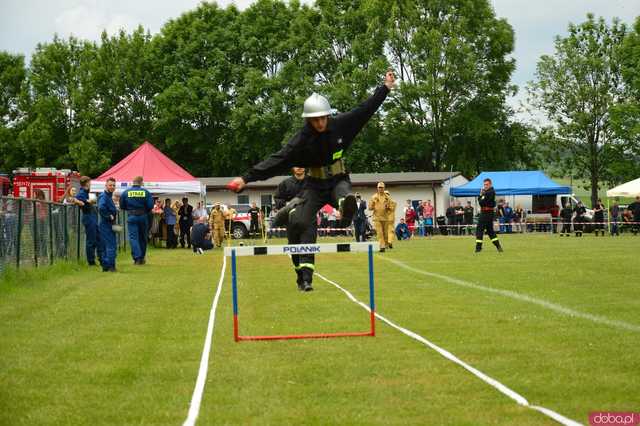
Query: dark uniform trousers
x,y
485,224
302,227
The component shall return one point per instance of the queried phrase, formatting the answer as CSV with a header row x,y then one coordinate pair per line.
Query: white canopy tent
x,y
629,189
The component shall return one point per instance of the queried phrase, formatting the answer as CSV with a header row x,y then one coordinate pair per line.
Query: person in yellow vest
x,y
380,205
216,223
391,220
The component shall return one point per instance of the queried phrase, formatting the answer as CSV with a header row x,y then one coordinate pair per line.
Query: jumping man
x,y
319,147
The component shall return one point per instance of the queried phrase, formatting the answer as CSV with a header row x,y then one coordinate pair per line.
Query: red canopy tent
x,y
161,175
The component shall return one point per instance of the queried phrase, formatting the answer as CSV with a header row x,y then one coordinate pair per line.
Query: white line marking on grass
x,y
523,298
493,382
196,399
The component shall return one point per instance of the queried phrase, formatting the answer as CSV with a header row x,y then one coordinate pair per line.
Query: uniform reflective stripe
x,y
494,239
479,241
337,155
308,266
292,210
297,268
136,194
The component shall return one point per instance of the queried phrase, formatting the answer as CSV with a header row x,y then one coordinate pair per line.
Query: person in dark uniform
x,y
185,214
598,218
566,214
108,213
90,222
468,217
578,221
450,213
487,201
634,208
287,190
254,227
319,147
138,202
360,218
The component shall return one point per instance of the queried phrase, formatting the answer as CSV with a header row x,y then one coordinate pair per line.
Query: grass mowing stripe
x,y
496,384
522,297
196,399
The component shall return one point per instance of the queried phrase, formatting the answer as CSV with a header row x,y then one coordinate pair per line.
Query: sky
x,y
25,23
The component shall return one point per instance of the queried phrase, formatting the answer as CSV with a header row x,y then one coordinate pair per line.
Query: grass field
x,y
556,320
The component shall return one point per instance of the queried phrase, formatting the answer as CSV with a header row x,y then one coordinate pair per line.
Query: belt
x,y
137,212
486,209
327,172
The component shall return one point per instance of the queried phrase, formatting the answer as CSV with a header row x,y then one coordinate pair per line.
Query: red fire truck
x,y
51,181
5,185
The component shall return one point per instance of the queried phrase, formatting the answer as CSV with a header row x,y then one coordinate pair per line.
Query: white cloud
x,y
88,20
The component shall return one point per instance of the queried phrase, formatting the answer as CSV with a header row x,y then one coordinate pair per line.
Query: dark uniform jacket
x,y
186,214
635,208
309,148
566,214
136,200
255,214
287,189
487,200
468,215
107,208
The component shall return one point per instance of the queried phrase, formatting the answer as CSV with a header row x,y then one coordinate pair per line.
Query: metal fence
x,y
39,233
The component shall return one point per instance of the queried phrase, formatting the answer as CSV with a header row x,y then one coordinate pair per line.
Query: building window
x,y
265,203
243,199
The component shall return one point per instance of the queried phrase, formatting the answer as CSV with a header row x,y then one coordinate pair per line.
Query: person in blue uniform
x,y
90,222
138,202
108,213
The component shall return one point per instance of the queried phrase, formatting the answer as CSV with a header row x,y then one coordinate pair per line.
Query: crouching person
x,y
201,236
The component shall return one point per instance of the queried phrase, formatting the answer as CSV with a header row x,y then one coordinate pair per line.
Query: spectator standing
x,y
138,202
518,218
410,216
170,221
598,218
360,218
634,208
108,212
90,222
566,215
380,206
201,236
468,217
508,217
254,227
578,220
427,213
402,230
185,213
199,211
459,218
614,215
451,217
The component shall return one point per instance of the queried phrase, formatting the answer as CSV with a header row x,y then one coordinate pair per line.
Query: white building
x,y
414,186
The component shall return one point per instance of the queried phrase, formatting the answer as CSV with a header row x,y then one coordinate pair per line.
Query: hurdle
x,y
290,249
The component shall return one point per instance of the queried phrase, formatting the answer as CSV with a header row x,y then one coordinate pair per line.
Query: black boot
x,y
478,247
299,280
498,246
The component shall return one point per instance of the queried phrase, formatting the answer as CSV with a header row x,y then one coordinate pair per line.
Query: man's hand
x,y
389,79
236,185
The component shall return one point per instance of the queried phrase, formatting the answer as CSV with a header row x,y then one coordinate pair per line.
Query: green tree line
x,y
217,89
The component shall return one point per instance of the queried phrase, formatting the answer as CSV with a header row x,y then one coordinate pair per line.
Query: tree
x,y
578,87
451,57
12,76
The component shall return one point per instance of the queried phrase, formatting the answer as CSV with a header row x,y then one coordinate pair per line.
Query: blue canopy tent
x,y
512,183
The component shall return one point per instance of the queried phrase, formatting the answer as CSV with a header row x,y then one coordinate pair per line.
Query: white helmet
x,y
316,106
